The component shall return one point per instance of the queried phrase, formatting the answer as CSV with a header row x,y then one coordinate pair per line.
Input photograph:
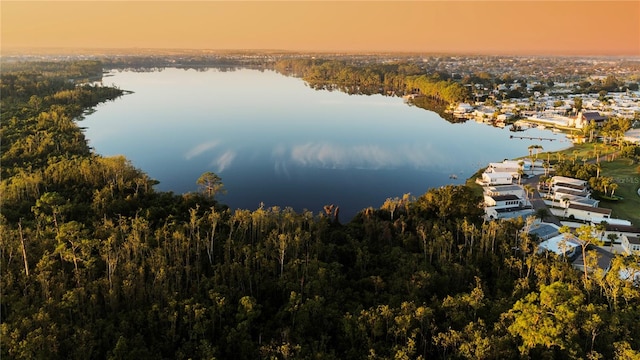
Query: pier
x,y
530,138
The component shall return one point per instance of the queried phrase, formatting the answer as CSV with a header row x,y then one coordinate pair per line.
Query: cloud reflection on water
x,y
224,161
200,148
370,157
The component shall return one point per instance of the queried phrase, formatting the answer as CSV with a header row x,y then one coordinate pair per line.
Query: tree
x,y
547,319
529,191
211,184
542,213
577,104
520,171
585,235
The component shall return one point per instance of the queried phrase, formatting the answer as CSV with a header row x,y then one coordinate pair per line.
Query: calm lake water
x,y
274,140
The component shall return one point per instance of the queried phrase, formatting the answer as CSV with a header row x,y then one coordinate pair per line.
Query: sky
x,y
517,27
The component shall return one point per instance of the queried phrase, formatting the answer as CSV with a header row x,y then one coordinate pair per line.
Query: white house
x,y
631,244
514,189
503,201
569,185
587,213
563,245
621,230
568,180
498,178
633,136
573,198
506,207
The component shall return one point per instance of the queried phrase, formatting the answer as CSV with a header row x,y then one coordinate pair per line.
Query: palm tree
x,y
529,190
520,171
613,188
546,166
605,183
612,239
538,148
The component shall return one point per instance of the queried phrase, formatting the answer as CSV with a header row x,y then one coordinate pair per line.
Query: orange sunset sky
x,y
470,27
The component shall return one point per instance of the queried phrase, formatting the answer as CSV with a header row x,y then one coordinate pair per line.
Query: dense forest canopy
x,y
97,264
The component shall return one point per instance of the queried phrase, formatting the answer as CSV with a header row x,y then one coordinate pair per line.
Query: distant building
x,y
632,136
585,117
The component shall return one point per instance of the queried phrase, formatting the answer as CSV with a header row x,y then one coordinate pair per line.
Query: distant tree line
x,y
398,78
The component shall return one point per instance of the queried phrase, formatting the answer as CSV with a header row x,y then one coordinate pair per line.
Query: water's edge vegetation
x,y
98,264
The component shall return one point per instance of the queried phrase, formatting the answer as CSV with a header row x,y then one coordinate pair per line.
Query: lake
x,y
274,140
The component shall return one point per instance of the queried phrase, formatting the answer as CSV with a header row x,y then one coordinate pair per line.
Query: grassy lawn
x,y
579,152
471,182
626,175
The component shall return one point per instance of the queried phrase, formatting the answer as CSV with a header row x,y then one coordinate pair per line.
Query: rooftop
x,y
604,258
559,244
504,188
633,240
570,186
569,180
590,209
623,228
506,197
544,230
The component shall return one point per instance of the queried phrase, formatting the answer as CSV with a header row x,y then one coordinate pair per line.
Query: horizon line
x,y
60,50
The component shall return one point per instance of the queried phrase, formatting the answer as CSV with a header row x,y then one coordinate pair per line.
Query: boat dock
x,y
530,138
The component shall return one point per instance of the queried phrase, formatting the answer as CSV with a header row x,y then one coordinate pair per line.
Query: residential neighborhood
x,y
564,204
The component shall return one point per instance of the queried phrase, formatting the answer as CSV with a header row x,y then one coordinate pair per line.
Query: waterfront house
x,y
503,201
516,190
585,117
506,207
497,178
